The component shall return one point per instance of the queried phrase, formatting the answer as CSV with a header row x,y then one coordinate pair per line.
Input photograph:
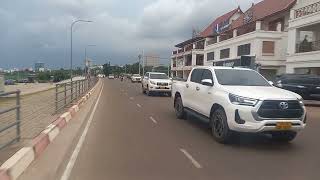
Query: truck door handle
x,y
197,88
187,85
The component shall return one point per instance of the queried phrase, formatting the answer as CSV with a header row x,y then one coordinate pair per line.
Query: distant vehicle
x,y
9,82
23,81
101,76
234,100
308,86
156,82
135,78
111,76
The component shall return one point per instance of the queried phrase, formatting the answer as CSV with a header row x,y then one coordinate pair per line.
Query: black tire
x,y
148,91
179,109
143,90
219,127
286,136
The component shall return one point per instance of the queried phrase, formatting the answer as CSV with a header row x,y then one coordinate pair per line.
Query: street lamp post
x,y
71,29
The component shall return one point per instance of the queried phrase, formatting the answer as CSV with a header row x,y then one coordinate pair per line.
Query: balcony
x,y
307,10
308,47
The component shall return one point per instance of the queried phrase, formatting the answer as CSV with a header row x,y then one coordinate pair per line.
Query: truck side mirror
x,y
207,82
271,83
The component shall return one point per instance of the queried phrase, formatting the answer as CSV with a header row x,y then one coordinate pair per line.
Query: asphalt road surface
x,y
133,136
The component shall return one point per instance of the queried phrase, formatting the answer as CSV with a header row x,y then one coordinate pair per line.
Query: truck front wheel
x,y
219,126
178,106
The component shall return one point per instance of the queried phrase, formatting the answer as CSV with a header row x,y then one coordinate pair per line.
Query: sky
x,y
39,30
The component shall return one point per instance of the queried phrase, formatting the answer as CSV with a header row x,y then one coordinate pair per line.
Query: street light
x,y
71,29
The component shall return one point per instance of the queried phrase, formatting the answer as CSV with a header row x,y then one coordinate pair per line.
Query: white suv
x,y
156,82
135,78
239,100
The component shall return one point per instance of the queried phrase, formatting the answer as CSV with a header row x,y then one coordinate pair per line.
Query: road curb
x,y
19,162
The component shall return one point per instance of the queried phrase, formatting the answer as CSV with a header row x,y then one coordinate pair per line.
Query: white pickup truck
x,y
239,100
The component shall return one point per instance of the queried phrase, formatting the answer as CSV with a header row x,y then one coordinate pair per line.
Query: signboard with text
x,y
244,61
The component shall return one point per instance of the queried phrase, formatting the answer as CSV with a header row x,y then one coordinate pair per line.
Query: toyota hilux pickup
x,y
235,100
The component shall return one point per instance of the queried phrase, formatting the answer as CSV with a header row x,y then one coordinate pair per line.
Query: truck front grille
x,y
273,109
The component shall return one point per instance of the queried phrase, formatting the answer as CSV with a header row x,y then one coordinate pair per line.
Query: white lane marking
x,y
131,98
139,105
193,161
153,120
73,158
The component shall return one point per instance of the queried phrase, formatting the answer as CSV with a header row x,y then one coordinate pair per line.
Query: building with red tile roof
x,y
258,36
211,29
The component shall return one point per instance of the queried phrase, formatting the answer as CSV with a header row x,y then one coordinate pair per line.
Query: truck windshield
x,y
158,76
234,77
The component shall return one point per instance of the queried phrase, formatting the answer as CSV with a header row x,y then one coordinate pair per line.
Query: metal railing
x,y
17,119
66,93
308,47
310,9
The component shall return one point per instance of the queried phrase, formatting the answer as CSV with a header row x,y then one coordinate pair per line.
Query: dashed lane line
x,y
153,120
193,161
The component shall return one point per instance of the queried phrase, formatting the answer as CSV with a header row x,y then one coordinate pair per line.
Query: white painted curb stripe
x,y
66,116
76,108
19,162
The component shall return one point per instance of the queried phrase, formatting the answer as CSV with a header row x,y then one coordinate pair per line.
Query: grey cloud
x,y
39,30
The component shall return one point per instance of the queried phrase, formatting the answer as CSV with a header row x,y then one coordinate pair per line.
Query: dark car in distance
x,y
308,86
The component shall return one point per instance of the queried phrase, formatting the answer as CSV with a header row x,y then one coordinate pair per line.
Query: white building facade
x,y
304,38
284,39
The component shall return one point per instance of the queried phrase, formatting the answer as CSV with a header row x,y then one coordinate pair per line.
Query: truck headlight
x,y
238,100
301,101
152,82
279,84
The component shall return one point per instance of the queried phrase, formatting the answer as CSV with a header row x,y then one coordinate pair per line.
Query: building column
x,y
194,59
258,25
292,14
235,33
292,41
279,27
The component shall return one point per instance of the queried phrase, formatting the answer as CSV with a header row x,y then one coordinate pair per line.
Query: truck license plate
x,y
283,125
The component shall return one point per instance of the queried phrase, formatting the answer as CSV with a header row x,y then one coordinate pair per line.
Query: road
x,y
133,136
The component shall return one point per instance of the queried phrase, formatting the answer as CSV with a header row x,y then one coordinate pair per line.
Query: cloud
x,y
40,30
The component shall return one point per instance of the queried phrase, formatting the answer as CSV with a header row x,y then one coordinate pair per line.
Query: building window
x,y
244,49
268,48
210,56
225,53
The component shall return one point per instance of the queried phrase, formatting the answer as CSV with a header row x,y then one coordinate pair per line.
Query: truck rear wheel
x,y
219,127
283,136
179,109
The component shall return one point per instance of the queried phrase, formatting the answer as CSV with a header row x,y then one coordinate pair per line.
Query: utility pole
x,y
143,62
140,56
